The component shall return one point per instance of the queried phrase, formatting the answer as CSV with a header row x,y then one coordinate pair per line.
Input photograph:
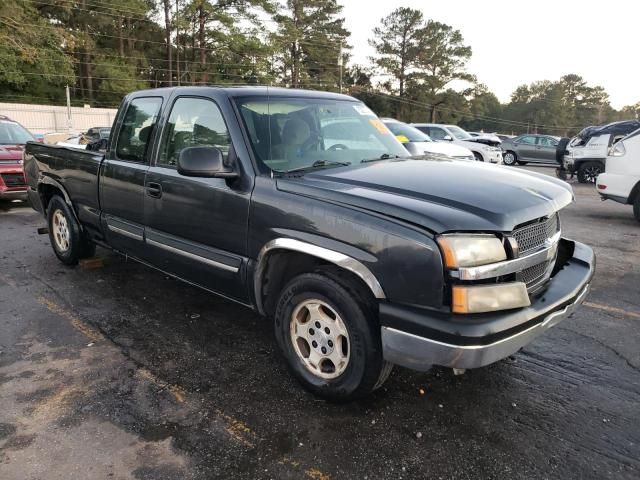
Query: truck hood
x,y
438,194
11,152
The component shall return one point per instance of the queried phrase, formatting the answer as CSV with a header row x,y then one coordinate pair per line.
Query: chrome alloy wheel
x,y
509,158
320,338
61,233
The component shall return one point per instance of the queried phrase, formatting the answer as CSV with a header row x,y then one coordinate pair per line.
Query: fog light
x,y
489,298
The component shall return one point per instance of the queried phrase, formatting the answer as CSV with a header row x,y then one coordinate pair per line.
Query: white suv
x,y
453,133
621,178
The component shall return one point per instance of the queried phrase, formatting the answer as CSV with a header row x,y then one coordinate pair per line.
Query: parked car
x,y
98,133
454,134
530,148
587,151
13,137
621,179
418,143
300,205
486,138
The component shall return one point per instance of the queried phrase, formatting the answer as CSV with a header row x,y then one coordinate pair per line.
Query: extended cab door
x,y
123,172
196,228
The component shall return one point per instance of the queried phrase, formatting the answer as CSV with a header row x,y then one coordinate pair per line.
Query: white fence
x,y
50,118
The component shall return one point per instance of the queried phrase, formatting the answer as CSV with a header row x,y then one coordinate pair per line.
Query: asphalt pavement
x,y
111,370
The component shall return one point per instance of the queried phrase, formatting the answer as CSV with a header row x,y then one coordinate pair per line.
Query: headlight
x,y
617,150
468,250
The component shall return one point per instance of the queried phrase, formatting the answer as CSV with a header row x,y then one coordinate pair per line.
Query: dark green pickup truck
x,y
303,206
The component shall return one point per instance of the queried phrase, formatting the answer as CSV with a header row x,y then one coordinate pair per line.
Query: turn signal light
x,y
489,298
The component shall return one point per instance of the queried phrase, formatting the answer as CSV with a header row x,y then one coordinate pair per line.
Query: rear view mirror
x,y
203,162
448,138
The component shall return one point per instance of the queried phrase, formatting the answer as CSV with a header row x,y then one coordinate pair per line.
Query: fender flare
x,y
46,180
340,259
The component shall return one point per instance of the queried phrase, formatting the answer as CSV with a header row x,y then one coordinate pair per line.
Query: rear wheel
x,y
589,171
509,158
67,240
330,337
636,207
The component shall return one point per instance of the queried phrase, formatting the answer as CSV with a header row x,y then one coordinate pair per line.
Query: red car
x,y
13,138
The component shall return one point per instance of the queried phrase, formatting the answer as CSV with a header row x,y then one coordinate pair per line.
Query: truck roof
x,y
248,90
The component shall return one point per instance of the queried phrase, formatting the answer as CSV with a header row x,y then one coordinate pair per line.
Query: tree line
x,y
105,49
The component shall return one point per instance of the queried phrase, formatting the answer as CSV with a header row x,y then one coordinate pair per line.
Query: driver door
x,y
196,228
526,149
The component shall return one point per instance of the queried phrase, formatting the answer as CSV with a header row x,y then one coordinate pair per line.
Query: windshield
x,y
12,133
406,133
459,133
289,133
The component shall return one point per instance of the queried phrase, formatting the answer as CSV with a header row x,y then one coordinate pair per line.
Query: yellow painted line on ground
x,y
316,474
82,327
239,430
313,473
607,308
177,391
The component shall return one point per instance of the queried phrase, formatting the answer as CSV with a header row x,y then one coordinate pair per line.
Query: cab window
x,y
527,140
436,133
193,122
547,142
137,125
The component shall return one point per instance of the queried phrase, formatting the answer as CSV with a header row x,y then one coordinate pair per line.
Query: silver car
x,y
529,148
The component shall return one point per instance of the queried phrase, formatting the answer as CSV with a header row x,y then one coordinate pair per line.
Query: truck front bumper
x,y
416,340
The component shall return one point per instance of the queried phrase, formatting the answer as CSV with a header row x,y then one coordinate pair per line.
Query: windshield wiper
x,y
318,164
384,156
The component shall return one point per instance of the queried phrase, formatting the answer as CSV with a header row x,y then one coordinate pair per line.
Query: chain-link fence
x,y
49,118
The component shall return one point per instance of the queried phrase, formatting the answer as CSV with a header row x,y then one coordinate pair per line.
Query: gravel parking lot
x,y
113,370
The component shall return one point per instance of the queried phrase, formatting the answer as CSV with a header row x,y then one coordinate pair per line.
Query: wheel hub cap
x,y
61,233
320,338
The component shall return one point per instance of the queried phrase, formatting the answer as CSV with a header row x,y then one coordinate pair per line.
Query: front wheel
x,y
509,158
67,240
636,207
589,171
329,337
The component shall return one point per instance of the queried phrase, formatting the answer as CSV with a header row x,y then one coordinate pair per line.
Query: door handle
x,y
154,190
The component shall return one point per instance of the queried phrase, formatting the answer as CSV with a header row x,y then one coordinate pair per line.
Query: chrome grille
x,y
533,236
533,274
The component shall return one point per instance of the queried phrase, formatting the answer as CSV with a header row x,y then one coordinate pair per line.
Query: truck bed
x,y
76,170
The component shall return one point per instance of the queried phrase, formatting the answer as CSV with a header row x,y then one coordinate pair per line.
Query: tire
x,y
352,366
561,173
509,158
589,171
65,235
478,157
636,207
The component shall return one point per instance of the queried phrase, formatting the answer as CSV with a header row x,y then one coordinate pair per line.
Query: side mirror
x,y
448,138
203,162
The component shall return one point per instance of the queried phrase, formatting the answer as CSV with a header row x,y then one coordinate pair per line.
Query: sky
x,y
516,42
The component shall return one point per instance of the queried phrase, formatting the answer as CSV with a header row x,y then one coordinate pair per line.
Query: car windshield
x,y
12,133
459,133
293,133
406,133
